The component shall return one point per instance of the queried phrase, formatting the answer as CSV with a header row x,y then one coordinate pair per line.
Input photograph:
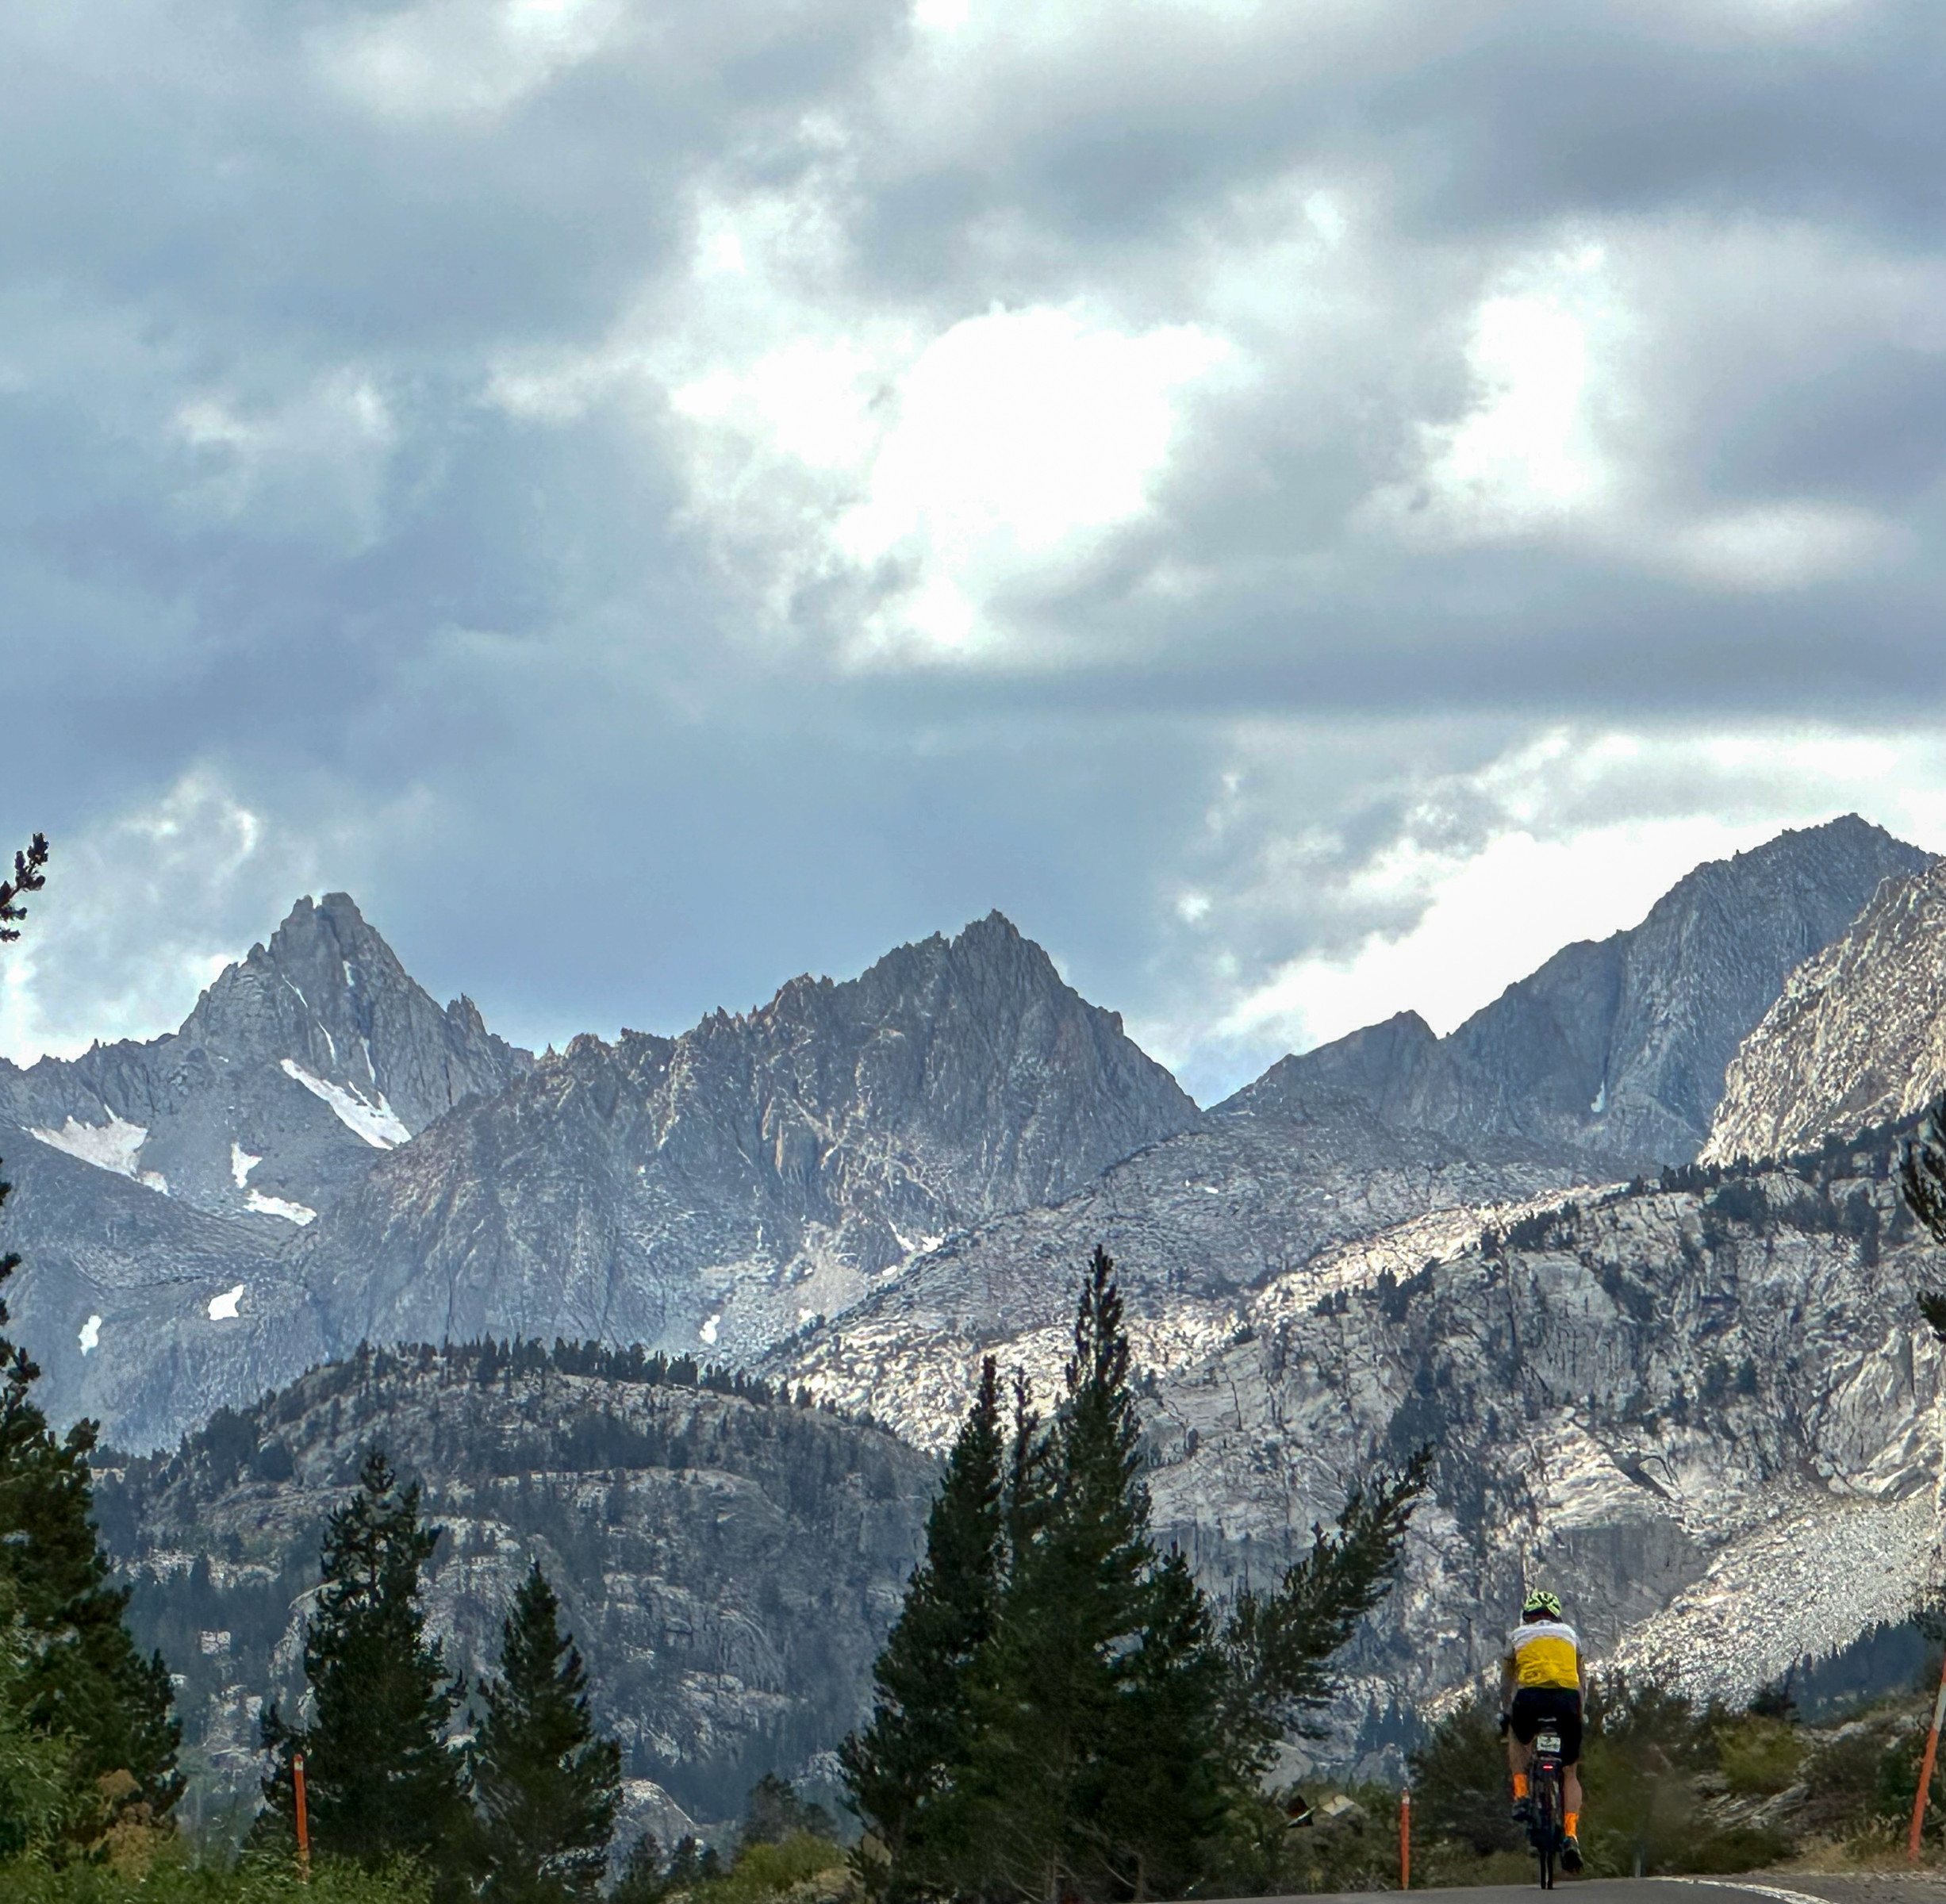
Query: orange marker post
x,y
304,1822
1405,1841
1925,1771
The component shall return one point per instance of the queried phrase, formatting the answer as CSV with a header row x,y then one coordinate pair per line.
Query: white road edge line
x,y
1762,1890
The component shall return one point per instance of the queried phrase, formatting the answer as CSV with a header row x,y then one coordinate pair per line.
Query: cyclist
x,y
1542,1679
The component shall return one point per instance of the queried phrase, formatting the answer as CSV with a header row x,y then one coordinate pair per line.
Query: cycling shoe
x,y
1571,1854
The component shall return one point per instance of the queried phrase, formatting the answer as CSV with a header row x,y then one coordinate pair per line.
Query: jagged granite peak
x,y
298,1065
1617,1049
712,1191
1858,1037
329,990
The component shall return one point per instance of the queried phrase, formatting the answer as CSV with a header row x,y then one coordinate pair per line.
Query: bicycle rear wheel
x,y
1545,1820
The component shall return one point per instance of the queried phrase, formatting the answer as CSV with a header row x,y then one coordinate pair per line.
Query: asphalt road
x,y
1859,1887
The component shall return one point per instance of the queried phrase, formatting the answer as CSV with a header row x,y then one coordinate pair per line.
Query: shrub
x,y
1760,1755
772,1871
177,1880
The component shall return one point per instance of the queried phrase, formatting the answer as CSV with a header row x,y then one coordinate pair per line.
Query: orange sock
x,y
1574,1818
1520,1784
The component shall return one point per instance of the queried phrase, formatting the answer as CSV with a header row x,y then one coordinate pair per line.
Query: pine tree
x,y
1055,1733
75,1675
1280,1645
381,1781
773,1812
1112,1736
83,1678
919,1729
35,1767
548,1788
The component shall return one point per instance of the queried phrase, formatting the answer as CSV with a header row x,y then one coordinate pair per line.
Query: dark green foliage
x,y
1460,1782
28,877
81,1677
176,1880
646,1878
383,1783
1112,1731
1090,1638
548,1789
921,1724
72,1674
774,1812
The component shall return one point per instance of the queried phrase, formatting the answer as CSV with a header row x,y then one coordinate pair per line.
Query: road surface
x,y
1756,1887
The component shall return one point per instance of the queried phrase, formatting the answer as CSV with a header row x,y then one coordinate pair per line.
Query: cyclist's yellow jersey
x,y
1545,1653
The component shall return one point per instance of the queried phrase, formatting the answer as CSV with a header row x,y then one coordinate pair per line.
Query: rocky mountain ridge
x,y
298,1064
1615,1051
713,1191
1196,1222
1858,1037
709,1192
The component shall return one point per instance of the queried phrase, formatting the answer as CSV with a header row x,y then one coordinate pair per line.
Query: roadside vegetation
x,y
1674,1788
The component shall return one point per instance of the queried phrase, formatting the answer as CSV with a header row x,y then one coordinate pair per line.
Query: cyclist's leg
x,y
1571,1763
1522,1721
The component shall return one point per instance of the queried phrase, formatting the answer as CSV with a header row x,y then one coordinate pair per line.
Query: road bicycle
x,y
1545,1828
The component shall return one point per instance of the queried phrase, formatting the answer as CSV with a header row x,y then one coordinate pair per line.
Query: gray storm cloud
x,y
760,486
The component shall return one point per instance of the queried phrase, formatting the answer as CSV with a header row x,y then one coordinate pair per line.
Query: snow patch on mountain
x,y
242,1163
90,1335
299,1214
113,1146
223,1308
378,1124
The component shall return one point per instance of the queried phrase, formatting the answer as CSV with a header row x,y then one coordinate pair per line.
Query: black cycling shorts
x,y
1559,1706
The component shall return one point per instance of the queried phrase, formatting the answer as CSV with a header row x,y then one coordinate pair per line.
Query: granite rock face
x,y
1858,1037
728,1564
1616,1051
1195,1223
713,1191
1710,1416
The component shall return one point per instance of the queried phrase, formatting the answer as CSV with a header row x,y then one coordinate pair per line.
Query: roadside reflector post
x,y
1925,1771
304,1823
1405,1836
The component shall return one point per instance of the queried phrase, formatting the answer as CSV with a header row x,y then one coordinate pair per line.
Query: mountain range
x,y
1666,1392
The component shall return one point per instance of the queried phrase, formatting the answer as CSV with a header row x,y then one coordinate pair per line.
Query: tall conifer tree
x,y
1056,1701
381,1779
1112,1733
897,1768
79,1677
548,1788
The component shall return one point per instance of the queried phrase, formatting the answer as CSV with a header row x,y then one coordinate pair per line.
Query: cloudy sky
x,y
1304,506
